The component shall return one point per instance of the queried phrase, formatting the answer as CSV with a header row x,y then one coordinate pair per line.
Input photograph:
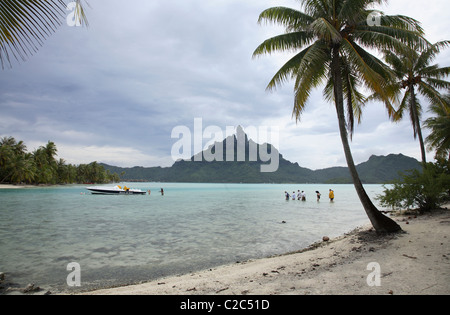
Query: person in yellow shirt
x,y
331,195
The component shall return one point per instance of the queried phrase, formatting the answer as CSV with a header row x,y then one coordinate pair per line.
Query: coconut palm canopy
x,y
415,73
314,34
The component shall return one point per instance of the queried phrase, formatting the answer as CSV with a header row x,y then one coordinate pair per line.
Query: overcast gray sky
x,y
113,92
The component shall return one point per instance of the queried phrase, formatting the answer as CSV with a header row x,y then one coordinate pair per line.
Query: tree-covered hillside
x,y
41,166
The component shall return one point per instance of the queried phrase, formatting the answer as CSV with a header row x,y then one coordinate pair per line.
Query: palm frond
x,y
290,18
80,14
434,72
324,30
430,53
436,83
395,33
284,42
25,24
351,12
317,8
405,23
288,71
439,125
313,66
371,70
398,64
433,95
403,106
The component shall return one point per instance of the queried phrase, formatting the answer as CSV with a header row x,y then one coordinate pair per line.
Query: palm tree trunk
x,y
380,222
417,123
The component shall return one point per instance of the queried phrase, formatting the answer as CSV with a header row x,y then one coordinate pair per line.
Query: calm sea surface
x,y
120,240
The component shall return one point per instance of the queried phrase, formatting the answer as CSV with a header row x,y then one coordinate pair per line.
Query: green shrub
x,y
426,190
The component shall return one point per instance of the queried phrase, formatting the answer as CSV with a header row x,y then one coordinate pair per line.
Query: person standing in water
x,y
318,195
303,195
286,194
331,195
162,192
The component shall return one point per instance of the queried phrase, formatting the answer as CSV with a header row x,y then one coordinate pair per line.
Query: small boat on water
x,y
116,190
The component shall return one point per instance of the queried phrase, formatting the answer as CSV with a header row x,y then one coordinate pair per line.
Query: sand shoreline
x,y
413,262
11,186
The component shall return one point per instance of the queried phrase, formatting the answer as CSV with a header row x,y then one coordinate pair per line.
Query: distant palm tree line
x,y
41,166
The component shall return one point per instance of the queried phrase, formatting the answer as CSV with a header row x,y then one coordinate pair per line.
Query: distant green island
x,y
377,170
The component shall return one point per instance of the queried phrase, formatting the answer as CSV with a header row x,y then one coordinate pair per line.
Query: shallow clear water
x,y
126,239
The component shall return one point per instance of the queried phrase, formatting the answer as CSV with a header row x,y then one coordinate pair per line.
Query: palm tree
x,y
50,151
25,24
331,37
415,73
7,151
10,142
13,161
22,169
439,138
6,156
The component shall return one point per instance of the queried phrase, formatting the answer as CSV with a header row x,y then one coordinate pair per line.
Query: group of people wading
x,y
301,195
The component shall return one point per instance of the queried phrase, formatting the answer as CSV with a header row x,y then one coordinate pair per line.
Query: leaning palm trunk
x,y
416,121
380,222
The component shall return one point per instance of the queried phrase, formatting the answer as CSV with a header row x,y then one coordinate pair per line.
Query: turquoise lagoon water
x,y
120,240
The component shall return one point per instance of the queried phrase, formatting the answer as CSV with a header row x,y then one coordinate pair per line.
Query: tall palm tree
x,y
439,138
50,152
25,24
329,39
415,73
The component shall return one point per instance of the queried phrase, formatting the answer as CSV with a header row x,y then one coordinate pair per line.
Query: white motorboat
x,y
116,190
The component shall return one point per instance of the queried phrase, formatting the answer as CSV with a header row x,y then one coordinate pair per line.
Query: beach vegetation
x,y
424,190
333,43
42,166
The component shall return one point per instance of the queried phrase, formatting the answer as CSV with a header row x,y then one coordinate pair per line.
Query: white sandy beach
x,y
413,262
9,186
